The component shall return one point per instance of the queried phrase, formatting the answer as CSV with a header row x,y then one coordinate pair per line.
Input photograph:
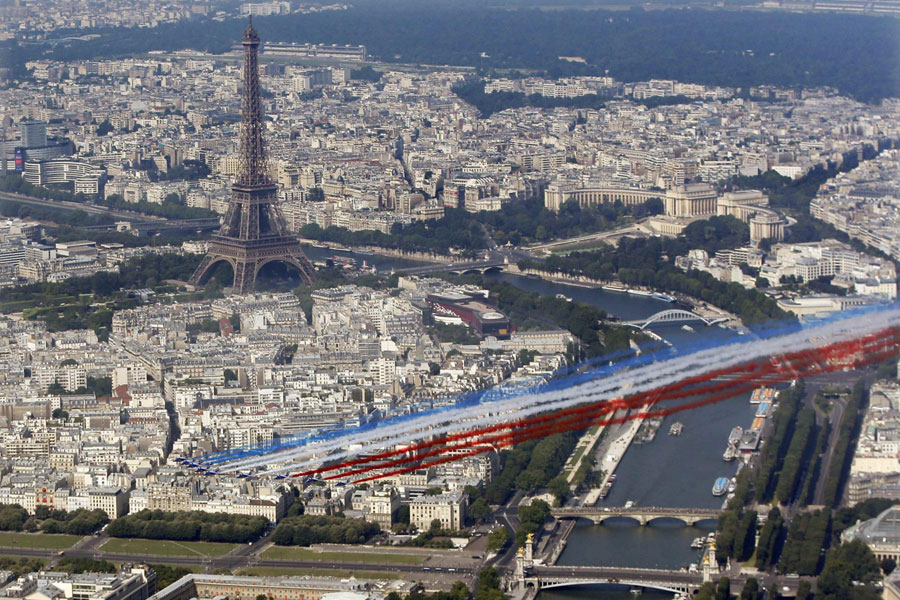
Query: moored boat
x,y
730,453
720,486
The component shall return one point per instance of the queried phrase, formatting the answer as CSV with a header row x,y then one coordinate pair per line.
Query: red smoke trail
x,y
659,413
650,397
793,361
529,421
783,370
584,414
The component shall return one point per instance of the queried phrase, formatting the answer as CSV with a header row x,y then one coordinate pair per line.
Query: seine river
x,y
669,471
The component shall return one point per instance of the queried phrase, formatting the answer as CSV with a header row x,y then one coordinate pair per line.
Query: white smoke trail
x,y
677,369
487,414
639,379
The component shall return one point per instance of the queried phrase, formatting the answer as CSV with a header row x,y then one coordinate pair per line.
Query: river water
x,y
382,263
669,471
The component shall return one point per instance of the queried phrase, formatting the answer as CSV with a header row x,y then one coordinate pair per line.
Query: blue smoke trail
x,y
564,378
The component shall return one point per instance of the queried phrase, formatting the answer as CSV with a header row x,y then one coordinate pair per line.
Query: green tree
x,y
459,591
479,510
488,585
850,571
497,539
751,589
723,589
559,487
85,565
706,592
770,538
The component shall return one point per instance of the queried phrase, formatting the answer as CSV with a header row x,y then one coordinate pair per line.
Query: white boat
x,y
640,293
730,453
687,327
735,436
732,485
697,543
563,297
676,429
720,486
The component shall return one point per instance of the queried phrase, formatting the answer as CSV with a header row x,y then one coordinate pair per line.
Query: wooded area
x,y
853,53
188,526
303,530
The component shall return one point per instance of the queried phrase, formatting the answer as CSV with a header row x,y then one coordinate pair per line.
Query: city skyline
x,y
577,302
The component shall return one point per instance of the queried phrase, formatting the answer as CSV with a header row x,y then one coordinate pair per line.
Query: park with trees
x,y
51,520
650,263
304,530
189,526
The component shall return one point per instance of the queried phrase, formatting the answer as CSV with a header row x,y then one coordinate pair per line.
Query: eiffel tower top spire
x,y
253,168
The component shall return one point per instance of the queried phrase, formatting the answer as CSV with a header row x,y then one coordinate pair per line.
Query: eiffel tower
x,y
253,232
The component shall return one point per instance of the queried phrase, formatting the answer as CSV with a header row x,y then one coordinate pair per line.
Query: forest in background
x,y
853,53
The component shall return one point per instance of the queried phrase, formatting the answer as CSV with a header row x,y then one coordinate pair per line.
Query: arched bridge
x,y
676,582
683,581
641,514
478,266
672,315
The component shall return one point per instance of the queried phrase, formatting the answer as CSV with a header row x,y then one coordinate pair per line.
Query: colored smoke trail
x,y
788,368
581,413
499,411
678,372
569,376
476,448
604,383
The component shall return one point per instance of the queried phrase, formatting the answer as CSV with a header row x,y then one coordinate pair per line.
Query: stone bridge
x,y
676,582
641,514
479,266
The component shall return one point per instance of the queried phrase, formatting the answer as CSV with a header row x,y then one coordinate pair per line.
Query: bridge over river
x,y
673,315
548,577
477,266
530,577
641,514
536,578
